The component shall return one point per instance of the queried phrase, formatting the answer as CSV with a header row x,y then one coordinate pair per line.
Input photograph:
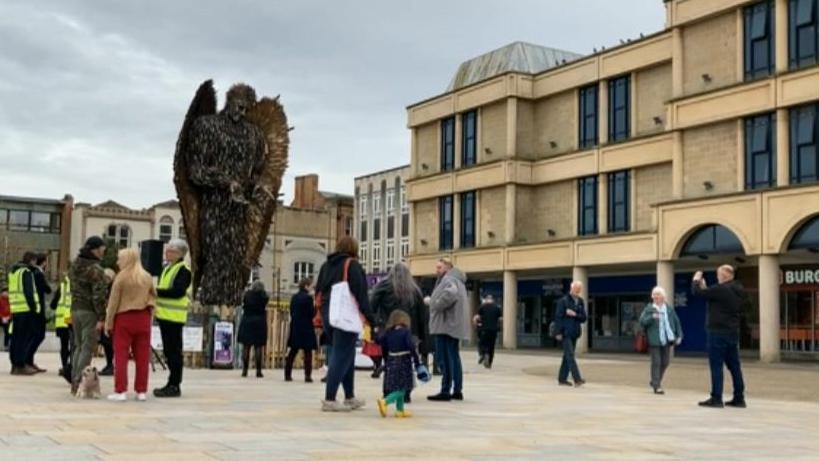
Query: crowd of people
x,y
403,326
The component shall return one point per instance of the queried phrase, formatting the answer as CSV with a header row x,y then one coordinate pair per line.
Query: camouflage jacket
x,y
89,286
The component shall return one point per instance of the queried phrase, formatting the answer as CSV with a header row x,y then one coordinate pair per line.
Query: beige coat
x,y
128,296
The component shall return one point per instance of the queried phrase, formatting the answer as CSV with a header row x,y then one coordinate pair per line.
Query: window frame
x,y
615,132
751,154
12,226
794,149
468,219
445,222
586,140
795,35
752,70
390,203
469,119
362,206
363,229
448,144
583,228
619,204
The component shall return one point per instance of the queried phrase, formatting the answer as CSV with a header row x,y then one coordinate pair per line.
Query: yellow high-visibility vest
x,y
63,314
172,309
17,297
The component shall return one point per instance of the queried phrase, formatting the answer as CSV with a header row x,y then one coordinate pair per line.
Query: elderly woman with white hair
x,y
173,299
663,329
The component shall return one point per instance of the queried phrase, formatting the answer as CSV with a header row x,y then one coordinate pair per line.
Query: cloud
x,y
92,94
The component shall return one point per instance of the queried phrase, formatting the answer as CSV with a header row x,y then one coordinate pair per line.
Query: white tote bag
x,y
344,313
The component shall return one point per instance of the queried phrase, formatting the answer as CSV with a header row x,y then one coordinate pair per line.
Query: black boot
x,y
258,356
168,391
245,360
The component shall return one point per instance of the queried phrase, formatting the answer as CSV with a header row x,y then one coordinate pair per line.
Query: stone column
x,y
677,173
676,62
511,214
581,274
769,347
603,114
603,204
781,35
665,279
510,310
511,127
783,158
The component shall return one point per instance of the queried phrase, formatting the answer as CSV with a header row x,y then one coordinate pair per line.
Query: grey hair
x,y
257,285
403,285
660,290
179,245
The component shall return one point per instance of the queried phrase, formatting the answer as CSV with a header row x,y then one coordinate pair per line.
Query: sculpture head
x,y
240,98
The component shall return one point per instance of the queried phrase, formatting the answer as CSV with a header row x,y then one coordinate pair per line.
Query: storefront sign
x,y
800,277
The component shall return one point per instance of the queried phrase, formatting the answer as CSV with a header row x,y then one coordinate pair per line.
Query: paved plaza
x,y
515,411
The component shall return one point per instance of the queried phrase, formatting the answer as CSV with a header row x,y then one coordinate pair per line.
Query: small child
x,y
399,353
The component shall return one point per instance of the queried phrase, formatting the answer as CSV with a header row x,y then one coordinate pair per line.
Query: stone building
x,y
382,219
634,166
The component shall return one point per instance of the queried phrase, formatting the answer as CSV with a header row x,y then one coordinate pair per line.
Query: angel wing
x,y
268,114
204,103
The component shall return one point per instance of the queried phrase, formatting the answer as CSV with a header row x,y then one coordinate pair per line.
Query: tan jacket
x,y
128,296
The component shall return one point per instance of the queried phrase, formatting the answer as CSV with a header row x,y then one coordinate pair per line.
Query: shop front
x,y
799,312
536,302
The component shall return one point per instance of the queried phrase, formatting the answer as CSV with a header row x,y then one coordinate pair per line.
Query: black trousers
x,y
38,329
6,336
22,338
291,357
487,345
107,343
172,349
65,348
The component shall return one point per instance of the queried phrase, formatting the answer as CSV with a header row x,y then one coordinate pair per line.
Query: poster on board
x,y
223,343
192,338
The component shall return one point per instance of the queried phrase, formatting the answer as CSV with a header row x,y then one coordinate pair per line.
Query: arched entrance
x,y
710,240
799,318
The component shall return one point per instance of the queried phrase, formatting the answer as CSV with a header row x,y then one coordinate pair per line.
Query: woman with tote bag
x,y
342,290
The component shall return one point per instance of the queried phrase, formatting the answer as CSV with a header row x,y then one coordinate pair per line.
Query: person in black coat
x,y
342,361
302,335
726,303
570,314
253,329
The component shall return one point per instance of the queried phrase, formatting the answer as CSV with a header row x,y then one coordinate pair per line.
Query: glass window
x,y
468,219
448,144
760,152
377,203
363,255
363,236
376,256
301,271
587,205
390,201
18,220
391,227
405,225
124,237
470,138
376,229
56,222
712,239
165,232
758,40
618,201
348,226
390,253
40,222
404,203
445,222
404,248
362,205
619,108
588,117
803,148
803,34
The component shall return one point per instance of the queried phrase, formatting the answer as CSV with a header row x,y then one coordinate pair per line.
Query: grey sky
x,y
92,93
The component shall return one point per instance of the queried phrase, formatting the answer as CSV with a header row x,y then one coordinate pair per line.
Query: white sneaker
x,y
334,407
141,397
115,397
354,403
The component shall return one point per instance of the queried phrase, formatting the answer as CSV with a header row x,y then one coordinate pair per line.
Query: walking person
x,y
43,290
446,320
129,315
172,302
399,291
400,356
89,290
302,336
342,266
488,321
25,306
663,329
253,329
570,314
61,305
726,301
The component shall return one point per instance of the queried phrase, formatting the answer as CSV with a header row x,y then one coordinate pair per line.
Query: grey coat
x,y
447,306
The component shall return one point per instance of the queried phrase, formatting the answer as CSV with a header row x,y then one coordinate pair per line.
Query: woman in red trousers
x,y
130,307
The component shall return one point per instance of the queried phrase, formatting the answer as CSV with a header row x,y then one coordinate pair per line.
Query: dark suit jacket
x,y
570,327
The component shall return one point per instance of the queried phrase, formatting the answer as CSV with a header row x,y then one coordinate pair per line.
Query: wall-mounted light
x,y
488,151
658,120
490,234
424,166
553,144
424,242
551,232
708,185
706,78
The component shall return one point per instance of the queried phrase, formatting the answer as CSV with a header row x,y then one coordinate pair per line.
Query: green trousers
x,y
397,398
86,337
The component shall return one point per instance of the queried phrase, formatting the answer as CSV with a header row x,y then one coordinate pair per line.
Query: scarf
x,y
666,333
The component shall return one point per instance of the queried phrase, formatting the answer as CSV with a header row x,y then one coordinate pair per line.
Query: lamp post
x,y
276,262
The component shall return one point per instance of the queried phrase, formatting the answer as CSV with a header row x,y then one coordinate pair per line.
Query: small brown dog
x,y
89,387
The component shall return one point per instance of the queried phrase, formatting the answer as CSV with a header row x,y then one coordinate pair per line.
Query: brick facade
x,y
710,154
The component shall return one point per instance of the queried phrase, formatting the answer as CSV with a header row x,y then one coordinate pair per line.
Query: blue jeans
x,y
724,349
447,350
341,370
569,364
